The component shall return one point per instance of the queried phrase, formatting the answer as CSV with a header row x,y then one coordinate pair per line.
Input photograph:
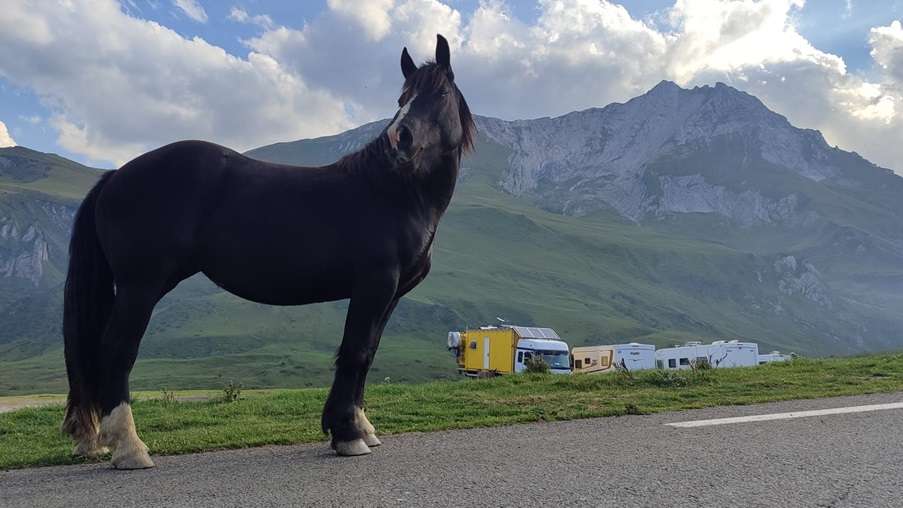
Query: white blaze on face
x,y
392,131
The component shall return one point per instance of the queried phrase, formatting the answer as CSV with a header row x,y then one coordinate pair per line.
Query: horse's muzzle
x,y
405,151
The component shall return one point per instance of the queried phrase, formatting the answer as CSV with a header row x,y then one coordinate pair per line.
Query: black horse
x,y
361,228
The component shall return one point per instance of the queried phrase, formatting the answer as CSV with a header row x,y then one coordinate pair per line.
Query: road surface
x,y
846,459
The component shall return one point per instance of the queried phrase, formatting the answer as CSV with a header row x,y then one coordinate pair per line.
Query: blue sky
x,y
100,128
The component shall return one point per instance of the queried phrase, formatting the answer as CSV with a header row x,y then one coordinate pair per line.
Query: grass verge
x,y
31,437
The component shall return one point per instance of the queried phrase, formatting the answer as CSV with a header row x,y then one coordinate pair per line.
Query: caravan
x,y
632,357
718,354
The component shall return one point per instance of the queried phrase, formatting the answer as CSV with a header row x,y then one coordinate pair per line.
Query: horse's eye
x,y
444,92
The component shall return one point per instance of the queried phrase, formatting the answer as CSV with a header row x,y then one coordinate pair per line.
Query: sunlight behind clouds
x,y
5,138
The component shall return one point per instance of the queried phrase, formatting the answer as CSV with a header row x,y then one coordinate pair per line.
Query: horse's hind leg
x,y
131,313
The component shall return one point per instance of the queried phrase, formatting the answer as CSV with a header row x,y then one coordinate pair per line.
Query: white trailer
x,y
718,354
774,356
632,356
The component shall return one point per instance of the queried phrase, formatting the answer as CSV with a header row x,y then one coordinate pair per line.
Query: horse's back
x,y
153,206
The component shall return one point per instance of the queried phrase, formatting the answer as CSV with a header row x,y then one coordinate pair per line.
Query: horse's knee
x,y
117,430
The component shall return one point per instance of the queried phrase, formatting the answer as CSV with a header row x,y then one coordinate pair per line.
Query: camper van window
x,y
659,364
672,363
587,360
578,364
520,357
685,361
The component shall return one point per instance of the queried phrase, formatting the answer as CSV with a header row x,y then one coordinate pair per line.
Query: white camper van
x,y
718,354
632,356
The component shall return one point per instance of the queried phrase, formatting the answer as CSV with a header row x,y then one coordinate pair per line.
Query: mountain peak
x,y
665,86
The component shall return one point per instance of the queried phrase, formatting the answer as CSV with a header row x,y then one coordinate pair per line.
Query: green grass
x,y
31,437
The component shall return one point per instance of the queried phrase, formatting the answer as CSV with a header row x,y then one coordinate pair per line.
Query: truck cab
x,y
554,352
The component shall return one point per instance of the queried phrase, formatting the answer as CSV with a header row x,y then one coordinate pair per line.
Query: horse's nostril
x,y
405,138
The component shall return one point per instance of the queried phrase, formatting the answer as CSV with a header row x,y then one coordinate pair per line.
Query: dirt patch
x,y
10,404
16,403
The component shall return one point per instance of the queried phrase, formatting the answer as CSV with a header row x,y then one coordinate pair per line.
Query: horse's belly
x,y
279,285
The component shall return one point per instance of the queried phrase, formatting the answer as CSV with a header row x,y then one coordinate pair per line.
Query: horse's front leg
x,y
343,419
363,422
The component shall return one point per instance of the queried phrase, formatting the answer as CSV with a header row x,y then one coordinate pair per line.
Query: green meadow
x,y
31,437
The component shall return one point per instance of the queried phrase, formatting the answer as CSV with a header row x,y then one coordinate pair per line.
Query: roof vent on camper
x,y
693,343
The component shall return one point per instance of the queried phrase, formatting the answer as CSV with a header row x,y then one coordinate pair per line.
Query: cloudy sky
x,y
102,81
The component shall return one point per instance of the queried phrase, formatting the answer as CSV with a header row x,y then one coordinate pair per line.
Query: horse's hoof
x,y
138,459
371,440
352,448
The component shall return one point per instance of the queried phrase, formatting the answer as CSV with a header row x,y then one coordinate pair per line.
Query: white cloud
x,y
118,86
240,15
372,17
192,9
887,49
5,138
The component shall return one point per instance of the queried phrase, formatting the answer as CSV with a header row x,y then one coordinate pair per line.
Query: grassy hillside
x,y
595,279
32,437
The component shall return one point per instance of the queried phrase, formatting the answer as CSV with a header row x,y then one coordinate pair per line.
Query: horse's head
x,y
433,119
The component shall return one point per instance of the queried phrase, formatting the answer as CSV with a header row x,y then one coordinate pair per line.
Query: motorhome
x,y
718,354
492,350
631,357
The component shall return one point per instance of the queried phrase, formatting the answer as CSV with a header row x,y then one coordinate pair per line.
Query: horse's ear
x,y
407,64
443,58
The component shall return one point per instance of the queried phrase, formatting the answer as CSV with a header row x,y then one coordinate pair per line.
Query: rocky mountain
x,y
705,150
681,214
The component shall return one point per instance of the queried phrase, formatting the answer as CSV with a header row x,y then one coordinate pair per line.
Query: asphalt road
x,y
836,460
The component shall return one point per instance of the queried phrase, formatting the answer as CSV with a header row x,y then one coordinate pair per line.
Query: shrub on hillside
x,y
232,392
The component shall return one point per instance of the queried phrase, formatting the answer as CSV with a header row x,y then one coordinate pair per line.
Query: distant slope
x,y
602,224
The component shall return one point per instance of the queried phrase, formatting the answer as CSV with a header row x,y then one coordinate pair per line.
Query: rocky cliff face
x,y
24,239
671,150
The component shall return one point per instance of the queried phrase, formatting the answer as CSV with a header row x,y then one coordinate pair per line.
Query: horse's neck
x,y
439,184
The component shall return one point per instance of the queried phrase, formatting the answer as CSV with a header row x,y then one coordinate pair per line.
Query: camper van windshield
x,y
556,359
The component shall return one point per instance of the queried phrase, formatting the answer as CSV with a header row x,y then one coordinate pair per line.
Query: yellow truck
x,y
492,350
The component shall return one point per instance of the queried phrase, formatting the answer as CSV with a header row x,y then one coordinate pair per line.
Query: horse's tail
x,y
87,305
